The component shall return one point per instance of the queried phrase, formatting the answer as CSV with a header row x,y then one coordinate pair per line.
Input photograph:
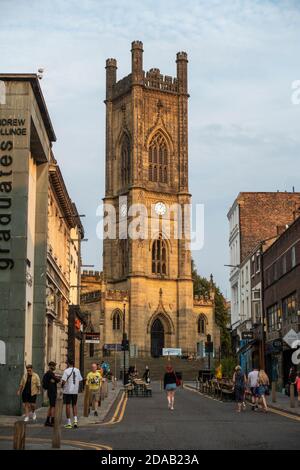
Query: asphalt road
x,y
196,423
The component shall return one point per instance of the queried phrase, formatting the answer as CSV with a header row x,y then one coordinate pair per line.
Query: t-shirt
x,y
253,378
72,377
93,380
27,388
50,382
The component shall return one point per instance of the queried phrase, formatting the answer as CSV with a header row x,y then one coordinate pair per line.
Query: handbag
x,y
178,381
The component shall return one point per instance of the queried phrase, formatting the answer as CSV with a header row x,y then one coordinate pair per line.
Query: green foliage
x,y
228,365
202,287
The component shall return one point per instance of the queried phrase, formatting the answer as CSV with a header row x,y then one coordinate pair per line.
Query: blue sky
x,y
243,128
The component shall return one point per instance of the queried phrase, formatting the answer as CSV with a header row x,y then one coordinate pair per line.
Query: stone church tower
x,y
147,163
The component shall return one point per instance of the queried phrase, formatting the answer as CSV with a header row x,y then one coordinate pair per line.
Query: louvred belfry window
x,y
159,256
158,159
125,160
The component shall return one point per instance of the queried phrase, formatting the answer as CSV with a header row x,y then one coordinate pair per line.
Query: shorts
x,y
171,387
70,399
27,398
94,396
239,394
253,391
52,399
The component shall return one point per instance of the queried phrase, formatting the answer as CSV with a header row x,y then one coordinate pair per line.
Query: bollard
x,y
273,392
56,436
86,401
106,388
19,435
292,396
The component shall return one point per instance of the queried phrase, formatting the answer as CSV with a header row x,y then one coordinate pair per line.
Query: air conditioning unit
x,y
256,295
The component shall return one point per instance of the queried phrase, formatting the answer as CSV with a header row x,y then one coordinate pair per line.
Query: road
x,y
197,422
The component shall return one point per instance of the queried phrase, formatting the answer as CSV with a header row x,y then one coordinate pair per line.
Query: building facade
x,y
34,266
281,273
255,221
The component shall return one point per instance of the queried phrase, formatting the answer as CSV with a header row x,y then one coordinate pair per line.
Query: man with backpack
x,y
70,382
50,381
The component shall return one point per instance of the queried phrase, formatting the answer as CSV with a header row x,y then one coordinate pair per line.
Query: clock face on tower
x,y
160,208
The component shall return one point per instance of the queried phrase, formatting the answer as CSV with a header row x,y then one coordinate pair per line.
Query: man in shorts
x,y
253,384
70,382
50,381
93,381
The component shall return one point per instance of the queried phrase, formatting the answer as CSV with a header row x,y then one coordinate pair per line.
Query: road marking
x,y
191,389
89,445
282,413
121,405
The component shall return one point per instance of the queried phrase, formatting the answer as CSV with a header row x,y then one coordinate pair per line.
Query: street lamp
x,y
124,342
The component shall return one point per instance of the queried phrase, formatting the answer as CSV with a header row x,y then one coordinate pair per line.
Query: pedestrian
x,y
70,382
253,385
146,375
30,387
170,385
94,380
239,384
298,387
263,387
50,381
292,379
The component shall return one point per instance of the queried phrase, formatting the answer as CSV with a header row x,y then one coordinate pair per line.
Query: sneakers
x,y
68,426
34,417
75,424
96,413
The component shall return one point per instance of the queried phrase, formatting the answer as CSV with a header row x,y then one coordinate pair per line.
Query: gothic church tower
x,y
147,163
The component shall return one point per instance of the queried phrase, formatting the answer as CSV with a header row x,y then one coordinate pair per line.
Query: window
x,y
158,159
159,256
284,265
289,308
117,320
202,324
273,317
293,256
257,263
125,160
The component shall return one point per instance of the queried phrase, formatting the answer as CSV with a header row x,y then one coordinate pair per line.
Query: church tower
x,y
147,164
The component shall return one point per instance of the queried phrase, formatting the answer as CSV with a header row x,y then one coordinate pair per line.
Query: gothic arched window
x,y
125,160
116,320
202,324
158,159
159,256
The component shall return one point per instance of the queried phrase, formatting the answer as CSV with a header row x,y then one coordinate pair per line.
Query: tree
x,y
202,287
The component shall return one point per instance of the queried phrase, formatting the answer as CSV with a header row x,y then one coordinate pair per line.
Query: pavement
x,y
36,442
197,422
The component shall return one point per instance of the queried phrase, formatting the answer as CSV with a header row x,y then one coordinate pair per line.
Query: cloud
x,y
243,57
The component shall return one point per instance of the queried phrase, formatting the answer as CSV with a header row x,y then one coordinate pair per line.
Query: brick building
x,y
255,217
281,299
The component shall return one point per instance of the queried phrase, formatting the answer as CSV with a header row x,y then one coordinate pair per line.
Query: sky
x,y
243,126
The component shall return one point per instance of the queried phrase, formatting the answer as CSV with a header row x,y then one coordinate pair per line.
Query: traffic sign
x,y
247,334
171,352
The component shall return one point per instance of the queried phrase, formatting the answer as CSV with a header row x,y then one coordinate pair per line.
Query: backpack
x,y
45,381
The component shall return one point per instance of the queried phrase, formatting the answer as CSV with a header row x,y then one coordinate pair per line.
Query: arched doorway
x,y
157,338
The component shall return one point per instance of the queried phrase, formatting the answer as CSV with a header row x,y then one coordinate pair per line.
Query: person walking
x,y
70,382
239,385
50,381
253,384
170,385
146,375
94,380
263,386
30,387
